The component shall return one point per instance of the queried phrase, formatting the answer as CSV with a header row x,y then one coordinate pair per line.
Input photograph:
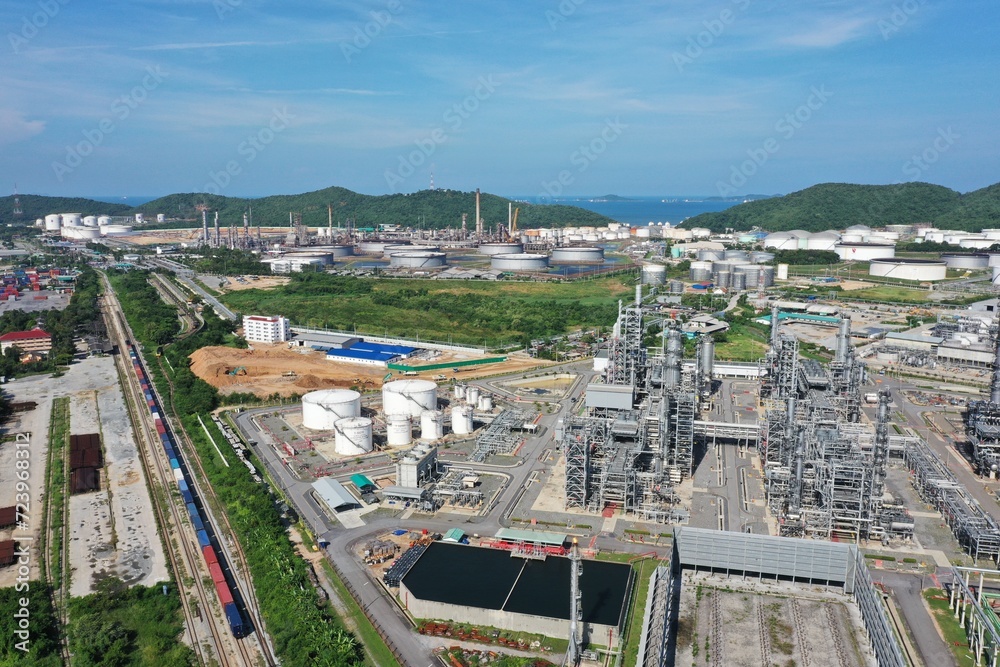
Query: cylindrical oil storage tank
x,y
676,287
701,271
823,240
708,356
996,275
115,230
977,243
472,395
398,431
374,247
161,217
352,436
909,269
485,403
709,255
752,275
321,409
738,281
642,232
338,250
781,241
851,237
902,230
431,425
461,420
52,222
318,258
721,279
782,272
82,233
994,259
459,391
90,221
737,254
580,255
864,252
591,237
71,219
390,250
966,261
408,397
761,257
519,262
417,260
653,274
103,220
501,248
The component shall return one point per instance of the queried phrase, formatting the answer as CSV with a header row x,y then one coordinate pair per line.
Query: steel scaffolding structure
x,y
501,436
982,424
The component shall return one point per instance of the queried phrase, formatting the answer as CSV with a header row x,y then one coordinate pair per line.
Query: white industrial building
x,y
263,329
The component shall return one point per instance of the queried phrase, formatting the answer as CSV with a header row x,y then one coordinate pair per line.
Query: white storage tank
x,y
519,262
485,403
578,255
864,252
654,274
461,420
408,397
502,248
969,261
459,391
642,232
432,425
103,220
390,250
701,270
90,221
909,269
140,218
116,230
353,436
52,222
782,272
417,260
472,395
71,219
321,409
161,217
398,431
374,247
996,275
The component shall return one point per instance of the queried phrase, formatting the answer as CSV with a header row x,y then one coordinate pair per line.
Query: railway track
x,y
184,558
60,593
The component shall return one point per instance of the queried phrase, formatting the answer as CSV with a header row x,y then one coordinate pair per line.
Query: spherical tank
x,y
500,248
472,395
654,274
431,425
461,420
398,431
417,260
408,397
581,255
519,262
909,269
321,409
352,436
485,403
970,261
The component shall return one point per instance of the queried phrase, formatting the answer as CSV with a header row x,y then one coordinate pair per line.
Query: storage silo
x,y
398,431
676,287
782,272
736,254
709,255
461,420
721,279
321,409
408,397
701,271
459,391
708,356
472,395
761,257
352,436
653,274
738,282
431,425
485,403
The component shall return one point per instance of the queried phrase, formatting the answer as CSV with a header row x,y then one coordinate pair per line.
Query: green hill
x,y
840,205
429,209
38,206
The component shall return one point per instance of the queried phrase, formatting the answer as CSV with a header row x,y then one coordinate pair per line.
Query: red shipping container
x,y
222,590
216,573
209,554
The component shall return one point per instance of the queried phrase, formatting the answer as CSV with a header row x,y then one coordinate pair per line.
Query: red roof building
x,y
35,340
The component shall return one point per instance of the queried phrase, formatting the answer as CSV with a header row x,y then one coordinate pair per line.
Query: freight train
x,y
203,529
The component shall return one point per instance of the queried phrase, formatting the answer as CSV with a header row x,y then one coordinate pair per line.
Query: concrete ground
x,y
732,621
29,304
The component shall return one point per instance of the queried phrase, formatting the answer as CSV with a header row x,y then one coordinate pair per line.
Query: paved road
x,y
211,300
906,590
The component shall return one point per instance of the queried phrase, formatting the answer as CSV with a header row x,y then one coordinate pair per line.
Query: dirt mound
x,y
311,382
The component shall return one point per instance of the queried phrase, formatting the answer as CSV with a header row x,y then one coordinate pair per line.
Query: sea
x,y
634,211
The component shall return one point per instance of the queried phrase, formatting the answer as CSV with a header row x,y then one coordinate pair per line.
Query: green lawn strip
x,y
954,634
378,653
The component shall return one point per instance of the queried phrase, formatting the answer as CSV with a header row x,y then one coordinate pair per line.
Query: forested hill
x,y
840,205
429,209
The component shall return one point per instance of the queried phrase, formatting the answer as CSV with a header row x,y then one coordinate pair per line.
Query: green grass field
x,y
954,634
473,313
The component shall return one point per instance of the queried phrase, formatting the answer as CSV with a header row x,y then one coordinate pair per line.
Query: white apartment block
x,y
261,329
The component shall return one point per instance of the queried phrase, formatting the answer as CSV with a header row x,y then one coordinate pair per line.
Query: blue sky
x,y
249,98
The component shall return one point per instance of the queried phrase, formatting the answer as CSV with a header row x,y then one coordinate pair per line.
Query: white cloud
x,y
14,127
829,33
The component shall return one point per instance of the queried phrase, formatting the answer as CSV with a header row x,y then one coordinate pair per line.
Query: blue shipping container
x,y
234,620
203,539
174,464
183,485
186,495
